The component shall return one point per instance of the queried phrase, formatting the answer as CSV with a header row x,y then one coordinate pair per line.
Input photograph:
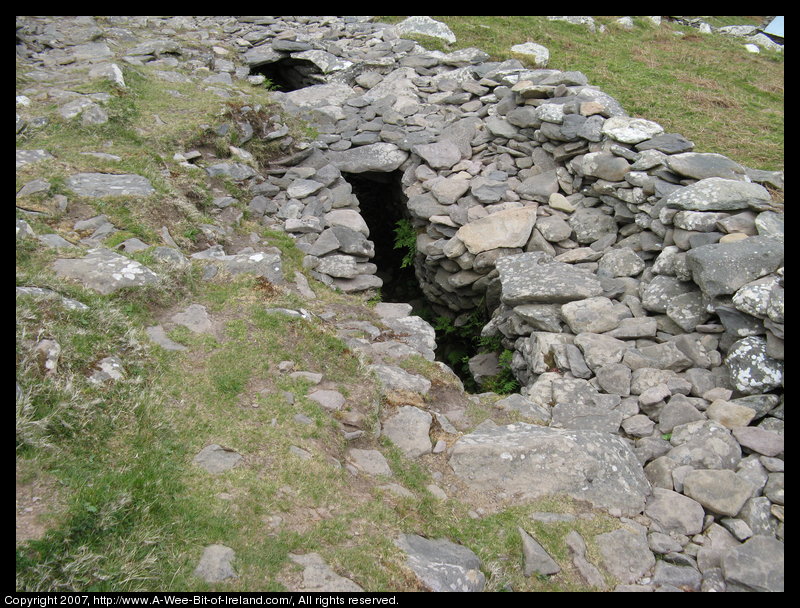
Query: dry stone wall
x,y
638,283
535,195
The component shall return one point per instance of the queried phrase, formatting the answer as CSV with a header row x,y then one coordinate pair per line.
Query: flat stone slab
x,y
534,277
330,400
217,459
96,185
216,564
442,565
195,318
159,336
718,194
724,268
625,554
105,271
26,157
318,577
511,228
379,156
408,429
537,560
395,378
427,27
530,461
267,265
757,565
371,462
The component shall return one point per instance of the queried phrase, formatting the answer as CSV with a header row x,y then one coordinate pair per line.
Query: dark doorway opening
x,y
383,207
290,74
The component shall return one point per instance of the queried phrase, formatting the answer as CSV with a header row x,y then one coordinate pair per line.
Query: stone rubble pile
x,y
638,283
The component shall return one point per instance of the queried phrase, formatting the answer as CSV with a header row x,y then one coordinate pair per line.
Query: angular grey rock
x,y
96,185
217,459
529,461
442,565
702,166
631,130
626,554
719,490
394,378
591,224
605,165
216,564
668,143
195,318
675,512
752,370
333,94
236,171
542,185
537,560
704,444
683,578
594,315
718,194
509,229
536,52
159,336
723,268
261,55
318,577
427,27
762,441
267,265
371,462
26,157
535,278
588,571
381,156
622,262
105,271
408,429
328,399
529,410
440,155
757,565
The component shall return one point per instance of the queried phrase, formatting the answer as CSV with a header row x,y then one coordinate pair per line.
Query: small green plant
x,y
503,383
406,238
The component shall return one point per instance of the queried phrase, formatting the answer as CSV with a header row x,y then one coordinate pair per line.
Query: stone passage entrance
x,y
290,74
383,207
